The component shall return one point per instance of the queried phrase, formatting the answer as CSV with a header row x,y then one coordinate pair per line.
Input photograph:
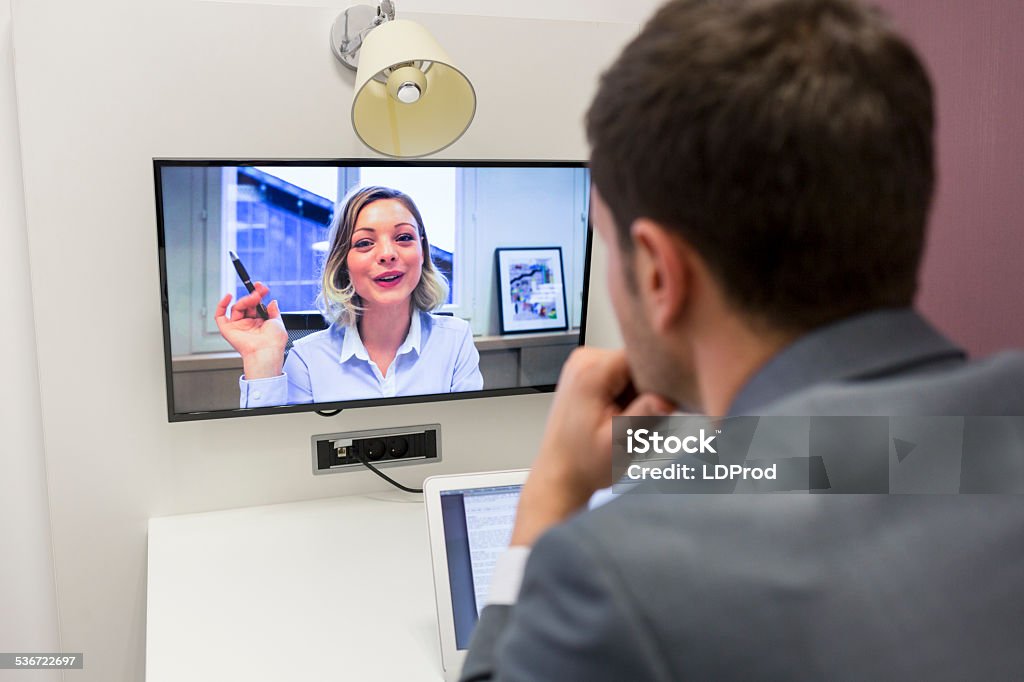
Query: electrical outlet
x,y
333,452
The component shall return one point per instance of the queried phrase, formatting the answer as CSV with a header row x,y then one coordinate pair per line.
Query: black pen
x,y
261,310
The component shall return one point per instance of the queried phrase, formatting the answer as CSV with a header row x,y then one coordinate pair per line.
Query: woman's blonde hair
x,y
338,300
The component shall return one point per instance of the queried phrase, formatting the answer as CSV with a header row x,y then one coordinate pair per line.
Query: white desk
x,y
337,589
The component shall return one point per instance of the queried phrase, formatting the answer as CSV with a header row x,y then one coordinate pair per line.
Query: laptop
x,y
469,520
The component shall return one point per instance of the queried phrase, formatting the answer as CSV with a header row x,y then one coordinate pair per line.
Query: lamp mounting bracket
x,y
352,26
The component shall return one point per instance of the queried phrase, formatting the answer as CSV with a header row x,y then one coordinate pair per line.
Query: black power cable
x,y
362,458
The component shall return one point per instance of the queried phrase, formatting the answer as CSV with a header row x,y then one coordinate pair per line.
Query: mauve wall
x,y
973,278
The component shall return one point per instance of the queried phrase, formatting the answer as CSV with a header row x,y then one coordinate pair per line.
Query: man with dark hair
x,y
789,144
762,173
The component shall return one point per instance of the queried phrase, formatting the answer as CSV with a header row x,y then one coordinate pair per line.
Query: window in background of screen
x,y
279,225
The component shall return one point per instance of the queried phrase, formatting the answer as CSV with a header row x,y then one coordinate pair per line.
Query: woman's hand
x,y
260,342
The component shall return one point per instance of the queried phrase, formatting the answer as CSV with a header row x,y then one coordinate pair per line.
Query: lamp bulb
x,y
407,84
408,92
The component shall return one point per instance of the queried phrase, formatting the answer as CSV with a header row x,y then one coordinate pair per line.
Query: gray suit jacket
x,y
670,587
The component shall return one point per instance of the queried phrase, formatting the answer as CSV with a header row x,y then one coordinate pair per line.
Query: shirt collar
x,y
412,339
352,343
870,345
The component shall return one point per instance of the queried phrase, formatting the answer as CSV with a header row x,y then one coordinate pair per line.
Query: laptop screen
x,y
477,527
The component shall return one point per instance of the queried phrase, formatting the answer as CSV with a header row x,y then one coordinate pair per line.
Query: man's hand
x,y
575,456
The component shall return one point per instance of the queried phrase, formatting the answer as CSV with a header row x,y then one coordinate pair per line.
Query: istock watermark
x,y
647,441
825,455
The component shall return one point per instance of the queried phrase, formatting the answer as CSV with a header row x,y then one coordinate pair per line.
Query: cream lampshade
x,y
409,98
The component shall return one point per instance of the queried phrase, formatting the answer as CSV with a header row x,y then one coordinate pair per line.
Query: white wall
x,y
630,11
102,88
517,207
28,601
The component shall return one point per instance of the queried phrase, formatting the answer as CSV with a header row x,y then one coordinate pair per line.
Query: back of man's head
x,y
788,141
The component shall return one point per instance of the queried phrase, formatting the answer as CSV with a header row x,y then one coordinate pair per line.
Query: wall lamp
x,y
409,99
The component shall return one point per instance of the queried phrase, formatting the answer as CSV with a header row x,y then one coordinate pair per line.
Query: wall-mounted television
x,y
374,282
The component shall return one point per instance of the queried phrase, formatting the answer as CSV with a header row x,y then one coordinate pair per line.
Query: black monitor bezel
x,y
172,416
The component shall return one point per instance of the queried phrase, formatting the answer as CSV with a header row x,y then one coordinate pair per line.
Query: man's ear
x,y
662,272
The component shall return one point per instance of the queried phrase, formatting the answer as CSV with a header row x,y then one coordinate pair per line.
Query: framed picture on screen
x,y
531,290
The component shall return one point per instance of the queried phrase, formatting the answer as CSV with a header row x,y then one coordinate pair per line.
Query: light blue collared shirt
x,y
437,356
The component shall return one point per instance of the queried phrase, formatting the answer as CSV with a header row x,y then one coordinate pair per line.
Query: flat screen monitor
x,y
376,282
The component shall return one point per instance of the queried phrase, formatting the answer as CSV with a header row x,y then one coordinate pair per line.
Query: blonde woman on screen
x,y
378,289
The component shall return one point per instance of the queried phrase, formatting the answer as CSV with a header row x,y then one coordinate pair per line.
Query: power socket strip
x,y
335,452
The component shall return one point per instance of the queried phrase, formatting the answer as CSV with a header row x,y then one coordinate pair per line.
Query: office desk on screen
x,y
336,589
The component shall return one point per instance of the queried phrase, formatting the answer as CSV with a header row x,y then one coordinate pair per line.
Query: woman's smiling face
x,y
386,255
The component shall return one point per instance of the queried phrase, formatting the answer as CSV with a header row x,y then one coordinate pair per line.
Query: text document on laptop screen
x,y
477,528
